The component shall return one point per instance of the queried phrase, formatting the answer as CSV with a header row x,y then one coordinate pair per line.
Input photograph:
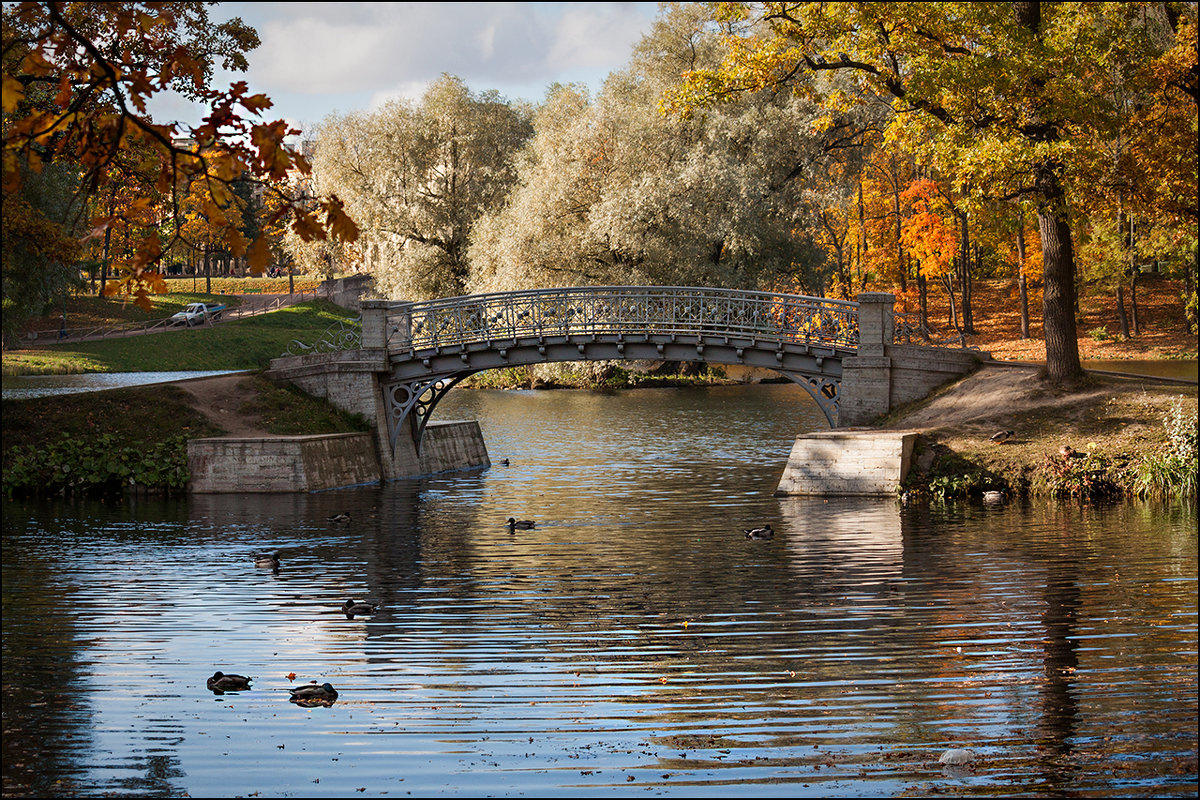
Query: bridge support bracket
x,y
413,402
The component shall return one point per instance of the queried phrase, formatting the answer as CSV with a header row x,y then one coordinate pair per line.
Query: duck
x,y
340,518
1001,436
504,462
221,683
764,532
352,607
267,561
313,695
520,524
993,496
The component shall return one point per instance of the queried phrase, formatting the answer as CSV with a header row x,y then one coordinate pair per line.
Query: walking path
x,y
251,305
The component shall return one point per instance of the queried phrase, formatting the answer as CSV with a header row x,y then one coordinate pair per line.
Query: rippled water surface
x,y
634,643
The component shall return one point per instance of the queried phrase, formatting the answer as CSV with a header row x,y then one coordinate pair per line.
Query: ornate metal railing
x,y
598,310
345,334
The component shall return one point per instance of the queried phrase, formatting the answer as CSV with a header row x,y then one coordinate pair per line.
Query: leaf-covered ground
x,y
1164,333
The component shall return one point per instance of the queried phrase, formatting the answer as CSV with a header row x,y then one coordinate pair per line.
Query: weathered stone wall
x,y
346,378
346,292
282,463
329,461
847,463
452,445
874,385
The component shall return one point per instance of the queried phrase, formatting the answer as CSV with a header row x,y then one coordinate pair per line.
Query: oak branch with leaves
x,y
77,81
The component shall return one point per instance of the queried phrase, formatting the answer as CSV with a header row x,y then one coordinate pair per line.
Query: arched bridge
x,y
433,345
852,357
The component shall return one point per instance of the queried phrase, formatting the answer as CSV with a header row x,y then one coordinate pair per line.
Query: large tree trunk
x,y
1058,294
1058,256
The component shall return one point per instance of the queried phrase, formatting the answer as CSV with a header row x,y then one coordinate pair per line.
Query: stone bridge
x,y
851,357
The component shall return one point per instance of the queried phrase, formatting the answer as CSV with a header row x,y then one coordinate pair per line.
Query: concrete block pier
x,y
847,462
327,461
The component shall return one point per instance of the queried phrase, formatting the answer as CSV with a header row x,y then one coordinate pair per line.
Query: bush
x,y
95,466
1171,471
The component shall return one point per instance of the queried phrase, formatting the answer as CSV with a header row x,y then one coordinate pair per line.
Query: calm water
x,y
634,644
25,387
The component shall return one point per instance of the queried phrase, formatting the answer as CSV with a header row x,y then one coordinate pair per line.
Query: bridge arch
x,y
432,346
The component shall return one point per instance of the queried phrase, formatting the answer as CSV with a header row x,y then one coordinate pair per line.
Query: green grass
x,y
287,411
140,417
97,441
236,344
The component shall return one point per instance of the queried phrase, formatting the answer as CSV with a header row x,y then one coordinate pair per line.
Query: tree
x,y
418,176
1007,93
613,192
40,246
77,79
929,240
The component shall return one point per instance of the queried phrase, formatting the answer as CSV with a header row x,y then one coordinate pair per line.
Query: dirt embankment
x,y
221,400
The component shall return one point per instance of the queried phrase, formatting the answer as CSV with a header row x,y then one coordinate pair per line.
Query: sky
x,y
321,58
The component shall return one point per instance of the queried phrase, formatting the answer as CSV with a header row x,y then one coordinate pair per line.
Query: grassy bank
x,y
1106,438
236,344
102,442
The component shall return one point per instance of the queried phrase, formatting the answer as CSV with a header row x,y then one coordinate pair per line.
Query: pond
x,y
633,643
26,387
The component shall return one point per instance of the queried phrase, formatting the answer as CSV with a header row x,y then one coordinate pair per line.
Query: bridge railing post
x,y
876,322
374,324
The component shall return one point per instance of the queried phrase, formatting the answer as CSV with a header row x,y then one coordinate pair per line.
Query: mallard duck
x,y
340,519
221,683
764,532
520,524
1001,436
313,695
352,607
993,496
267,561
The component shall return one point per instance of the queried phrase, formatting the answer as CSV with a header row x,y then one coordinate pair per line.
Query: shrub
x,y
95,466
1171,471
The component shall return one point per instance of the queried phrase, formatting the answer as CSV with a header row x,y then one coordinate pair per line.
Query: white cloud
x,y
384,49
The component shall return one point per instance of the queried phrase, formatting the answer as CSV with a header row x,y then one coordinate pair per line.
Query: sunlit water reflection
x,y
634,643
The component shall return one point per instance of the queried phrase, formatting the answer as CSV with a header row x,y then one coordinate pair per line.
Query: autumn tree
x,y
77,80
40,246
1007,93
930,241
613,192
417,176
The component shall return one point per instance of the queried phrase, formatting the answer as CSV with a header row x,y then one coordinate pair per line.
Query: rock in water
x,y
956,756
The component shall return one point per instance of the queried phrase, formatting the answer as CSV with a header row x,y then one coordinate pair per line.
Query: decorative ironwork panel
x,y
342,335
608,309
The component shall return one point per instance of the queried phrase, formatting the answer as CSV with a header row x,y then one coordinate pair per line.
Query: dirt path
x,y
220,399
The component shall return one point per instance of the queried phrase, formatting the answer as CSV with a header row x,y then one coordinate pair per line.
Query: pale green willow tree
x,y
1009,95
614,192
416,176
